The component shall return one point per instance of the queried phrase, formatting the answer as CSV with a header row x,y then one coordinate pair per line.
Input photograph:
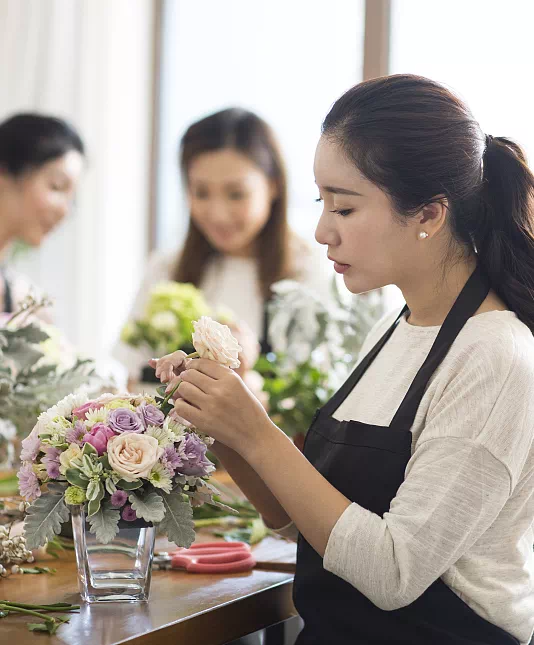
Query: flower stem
x,y
171,393
27,612
58,607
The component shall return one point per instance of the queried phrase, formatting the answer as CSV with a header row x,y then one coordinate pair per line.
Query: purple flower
x,y
28,483
75,435
124,420
119,498
171,459
98,437
30,447
150,415
51,461
193,455
128,513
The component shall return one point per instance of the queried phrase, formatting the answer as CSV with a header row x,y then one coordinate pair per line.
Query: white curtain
x,y
89,61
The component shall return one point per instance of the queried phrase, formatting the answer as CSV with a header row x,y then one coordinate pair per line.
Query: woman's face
x,y
230,200
368,244
40,199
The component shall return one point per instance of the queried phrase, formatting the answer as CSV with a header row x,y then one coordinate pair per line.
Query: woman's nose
x,y
325,233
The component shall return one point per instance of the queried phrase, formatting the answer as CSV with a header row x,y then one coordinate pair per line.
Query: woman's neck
x,y
431,299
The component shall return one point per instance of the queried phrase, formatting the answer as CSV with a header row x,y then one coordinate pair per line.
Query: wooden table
x,y
192,609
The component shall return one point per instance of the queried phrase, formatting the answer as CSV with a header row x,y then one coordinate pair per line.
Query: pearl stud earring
x,y
423,235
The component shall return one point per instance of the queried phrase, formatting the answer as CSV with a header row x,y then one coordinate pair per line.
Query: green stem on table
x,y
232,521
27,612
171,393
60,606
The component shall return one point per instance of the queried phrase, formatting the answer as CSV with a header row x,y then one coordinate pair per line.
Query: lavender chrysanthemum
x,y
51,461
28,483
30,447
76,434
171,459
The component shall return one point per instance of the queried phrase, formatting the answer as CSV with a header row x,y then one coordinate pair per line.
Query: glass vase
x,y
119,571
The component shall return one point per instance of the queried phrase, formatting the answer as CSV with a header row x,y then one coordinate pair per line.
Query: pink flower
x,y
81,412
51,460
119,498
98,437
28,483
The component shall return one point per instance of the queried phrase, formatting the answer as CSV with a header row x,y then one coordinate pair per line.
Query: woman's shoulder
x,y
160,265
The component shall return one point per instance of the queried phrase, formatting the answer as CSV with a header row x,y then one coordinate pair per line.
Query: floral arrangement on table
x,y
122,457
37,367
314,344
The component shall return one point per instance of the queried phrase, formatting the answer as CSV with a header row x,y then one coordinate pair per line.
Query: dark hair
x,y
28,141
418,142
246,132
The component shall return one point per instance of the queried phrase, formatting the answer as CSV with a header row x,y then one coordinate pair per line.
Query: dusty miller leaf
x,y
149,507
105,523
44,519
178,521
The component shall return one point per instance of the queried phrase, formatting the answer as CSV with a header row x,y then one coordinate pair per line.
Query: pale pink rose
x,y
133,455
215,342
81,412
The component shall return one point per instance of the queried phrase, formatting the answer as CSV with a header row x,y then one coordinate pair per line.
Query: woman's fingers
x,y
169,366
189,413
200,380
191,394
209,368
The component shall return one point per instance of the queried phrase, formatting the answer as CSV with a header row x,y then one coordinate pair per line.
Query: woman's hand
x,y
216,401
169,367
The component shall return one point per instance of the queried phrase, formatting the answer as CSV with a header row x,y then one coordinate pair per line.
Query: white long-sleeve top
x,y
465,510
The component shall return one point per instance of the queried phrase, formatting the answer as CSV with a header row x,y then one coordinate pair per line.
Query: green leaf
x,y
88,449
105,462
125,485
95,491
39,627
44,519
29,333
104,524
148,507
76,478
178,521
93,507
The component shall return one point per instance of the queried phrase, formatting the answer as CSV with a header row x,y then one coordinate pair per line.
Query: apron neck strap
x,y
468,302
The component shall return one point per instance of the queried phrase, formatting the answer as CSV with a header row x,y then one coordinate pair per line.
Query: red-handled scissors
x,y
208,557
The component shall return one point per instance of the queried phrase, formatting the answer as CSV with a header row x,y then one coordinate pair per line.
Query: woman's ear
x,y
433,217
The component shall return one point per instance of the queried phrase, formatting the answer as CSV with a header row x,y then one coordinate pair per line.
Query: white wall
x,y
91,62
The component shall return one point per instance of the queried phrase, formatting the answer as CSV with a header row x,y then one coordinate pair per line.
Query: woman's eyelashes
x,y
339,211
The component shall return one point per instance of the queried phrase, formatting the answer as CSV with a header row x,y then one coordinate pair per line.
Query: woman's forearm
x,y
252,486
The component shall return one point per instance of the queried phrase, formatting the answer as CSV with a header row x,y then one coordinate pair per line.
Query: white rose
x,y
215,341
133,455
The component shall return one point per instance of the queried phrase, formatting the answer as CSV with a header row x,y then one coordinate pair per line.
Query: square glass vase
x,y
119,571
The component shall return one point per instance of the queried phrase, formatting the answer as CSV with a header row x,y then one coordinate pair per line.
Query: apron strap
x,y
8,296
333,404
264,341
468,302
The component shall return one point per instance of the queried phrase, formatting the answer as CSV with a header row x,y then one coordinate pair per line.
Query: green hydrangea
x,y
75,495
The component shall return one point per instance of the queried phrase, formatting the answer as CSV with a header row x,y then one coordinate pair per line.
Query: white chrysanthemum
x,y
163,435
96,416
164,321
65,407
160,478
175,429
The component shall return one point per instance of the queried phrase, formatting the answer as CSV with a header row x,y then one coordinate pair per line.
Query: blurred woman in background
x,y
41,160
239,242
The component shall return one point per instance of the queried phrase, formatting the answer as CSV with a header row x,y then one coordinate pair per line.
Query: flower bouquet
x,y
128,466
37,367
314,343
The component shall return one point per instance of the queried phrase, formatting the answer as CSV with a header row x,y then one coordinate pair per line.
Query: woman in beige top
x,y
239,242
41,160
414,498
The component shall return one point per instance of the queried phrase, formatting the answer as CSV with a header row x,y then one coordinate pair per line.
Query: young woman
x,y
414,498
239,242
41,160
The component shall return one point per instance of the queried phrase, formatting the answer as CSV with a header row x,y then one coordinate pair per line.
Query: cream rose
x,y
215,341
133,455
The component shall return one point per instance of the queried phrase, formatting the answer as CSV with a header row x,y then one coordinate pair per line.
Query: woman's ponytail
x,y
503,231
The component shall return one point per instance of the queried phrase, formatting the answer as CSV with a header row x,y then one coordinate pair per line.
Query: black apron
x,y
8,297
367,464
